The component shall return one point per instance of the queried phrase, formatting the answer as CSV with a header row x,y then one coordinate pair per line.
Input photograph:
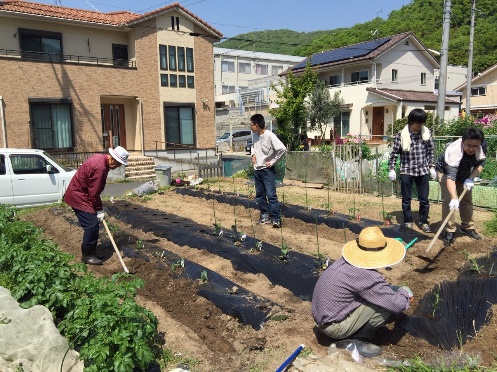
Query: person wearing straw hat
x,y
352,299
83,195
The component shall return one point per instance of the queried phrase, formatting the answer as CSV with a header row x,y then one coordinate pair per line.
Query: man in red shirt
x,y
83,195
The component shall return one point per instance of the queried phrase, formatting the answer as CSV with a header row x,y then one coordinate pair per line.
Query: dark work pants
x,y
265,193
89,222
423,185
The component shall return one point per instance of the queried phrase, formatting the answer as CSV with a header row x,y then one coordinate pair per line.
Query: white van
x,y
31,177
236,136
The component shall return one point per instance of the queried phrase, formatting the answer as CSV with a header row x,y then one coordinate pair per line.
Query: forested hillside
x,y
423,17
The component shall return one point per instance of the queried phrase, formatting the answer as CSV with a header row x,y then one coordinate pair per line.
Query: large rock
x,y
28,337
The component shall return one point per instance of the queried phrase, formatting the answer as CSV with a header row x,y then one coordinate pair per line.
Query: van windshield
x,y
225,135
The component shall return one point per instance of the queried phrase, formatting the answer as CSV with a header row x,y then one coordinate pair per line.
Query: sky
x,y
234,17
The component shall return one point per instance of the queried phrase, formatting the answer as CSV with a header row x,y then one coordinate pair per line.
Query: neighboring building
x,y
242,79
380,81
78,80
483,93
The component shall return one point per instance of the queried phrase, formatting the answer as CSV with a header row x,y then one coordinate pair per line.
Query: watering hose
x,y
287,362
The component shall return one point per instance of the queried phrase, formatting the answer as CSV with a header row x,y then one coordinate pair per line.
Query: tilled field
x,y
160,230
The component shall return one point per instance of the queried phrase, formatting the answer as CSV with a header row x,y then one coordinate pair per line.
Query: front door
x,y
113,126
378,121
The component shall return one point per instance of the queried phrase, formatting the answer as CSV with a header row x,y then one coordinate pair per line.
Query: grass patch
x,y
490,226
169,360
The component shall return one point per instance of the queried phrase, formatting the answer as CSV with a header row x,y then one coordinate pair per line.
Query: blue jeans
x,y
423,185
265,193
89,222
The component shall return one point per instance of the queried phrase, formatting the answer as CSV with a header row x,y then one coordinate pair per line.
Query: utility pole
x,y
444,57
469,74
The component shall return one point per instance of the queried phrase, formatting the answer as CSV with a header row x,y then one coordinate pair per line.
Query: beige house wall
x,y
488,102
76,40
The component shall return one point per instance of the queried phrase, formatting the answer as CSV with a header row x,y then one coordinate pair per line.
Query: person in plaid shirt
x,y
415,146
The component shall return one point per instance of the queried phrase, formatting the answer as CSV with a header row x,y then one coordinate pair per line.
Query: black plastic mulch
x,y
228,296
321,216
297,272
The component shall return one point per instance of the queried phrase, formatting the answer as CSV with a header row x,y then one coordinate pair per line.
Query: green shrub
x,y
490,226
98,316
490,170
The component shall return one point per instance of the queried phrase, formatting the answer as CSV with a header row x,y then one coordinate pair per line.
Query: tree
x,y
321,109
291,115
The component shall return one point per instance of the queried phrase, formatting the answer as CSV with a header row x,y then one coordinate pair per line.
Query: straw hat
x,y
372,250
120,154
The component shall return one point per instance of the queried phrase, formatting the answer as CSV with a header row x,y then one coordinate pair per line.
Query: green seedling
x,y
178,264
140,244
4,320
257,247
473,263
203,276
284,251
436,303
279,318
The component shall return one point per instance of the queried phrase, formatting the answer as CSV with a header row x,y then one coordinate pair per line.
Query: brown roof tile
x,y
408,95
113,18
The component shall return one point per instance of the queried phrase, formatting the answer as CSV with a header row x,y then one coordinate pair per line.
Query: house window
x,y
479,91
423,78
163,57
2,165
43,45
181,59
342,124
182,81
276,70
51,125
172,58
173,21
335,80
227,89
227,66
173,80
261,69
394,75
120,54
359,76
243,89
190,81
189,59
163,80
179,124
244,67
437,79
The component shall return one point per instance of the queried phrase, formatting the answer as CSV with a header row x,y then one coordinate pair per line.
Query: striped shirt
x,y
342,288
418,160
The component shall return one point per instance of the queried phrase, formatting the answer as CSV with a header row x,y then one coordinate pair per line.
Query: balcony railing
x,y
67,58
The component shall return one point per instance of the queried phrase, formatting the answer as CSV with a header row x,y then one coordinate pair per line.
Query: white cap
x,y
120,154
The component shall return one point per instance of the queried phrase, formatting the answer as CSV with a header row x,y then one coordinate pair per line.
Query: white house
x,y
380,81
242,78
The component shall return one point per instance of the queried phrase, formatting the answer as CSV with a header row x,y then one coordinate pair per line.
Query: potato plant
x,y
98,316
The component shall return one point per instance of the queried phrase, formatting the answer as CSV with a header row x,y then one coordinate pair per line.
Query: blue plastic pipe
x,y
290,359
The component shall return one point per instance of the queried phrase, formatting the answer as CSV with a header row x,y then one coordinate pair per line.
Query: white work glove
x,y
408,290
469,184
454,204
100,216
433,174
392,175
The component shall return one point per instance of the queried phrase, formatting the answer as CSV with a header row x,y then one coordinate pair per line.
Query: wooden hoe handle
x,y
444,223
115,247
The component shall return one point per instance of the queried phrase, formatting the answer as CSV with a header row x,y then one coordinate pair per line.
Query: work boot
x,y
450,237
363,348
276,224
425,228
471,233
89,255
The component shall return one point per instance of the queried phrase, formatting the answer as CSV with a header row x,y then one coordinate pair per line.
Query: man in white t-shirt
x,y
266,151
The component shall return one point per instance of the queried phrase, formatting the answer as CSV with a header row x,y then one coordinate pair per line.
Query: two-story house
x,y
243,79
380,81
483,96
79,80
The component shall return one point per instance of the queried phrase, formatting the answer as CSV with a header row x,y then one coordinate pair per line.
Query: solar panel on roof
x,y
340,54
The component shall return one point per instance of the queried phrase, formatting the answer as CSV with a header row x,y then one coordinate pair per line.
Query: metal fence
x,y
357,167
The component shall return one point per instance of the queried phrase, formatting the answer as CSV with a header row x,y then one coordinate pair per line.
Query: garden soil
x,y
208,340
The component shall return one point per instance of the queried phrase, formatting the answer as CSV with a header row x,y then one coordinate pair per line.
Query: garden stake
x,y
444,223
115,247
290,359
